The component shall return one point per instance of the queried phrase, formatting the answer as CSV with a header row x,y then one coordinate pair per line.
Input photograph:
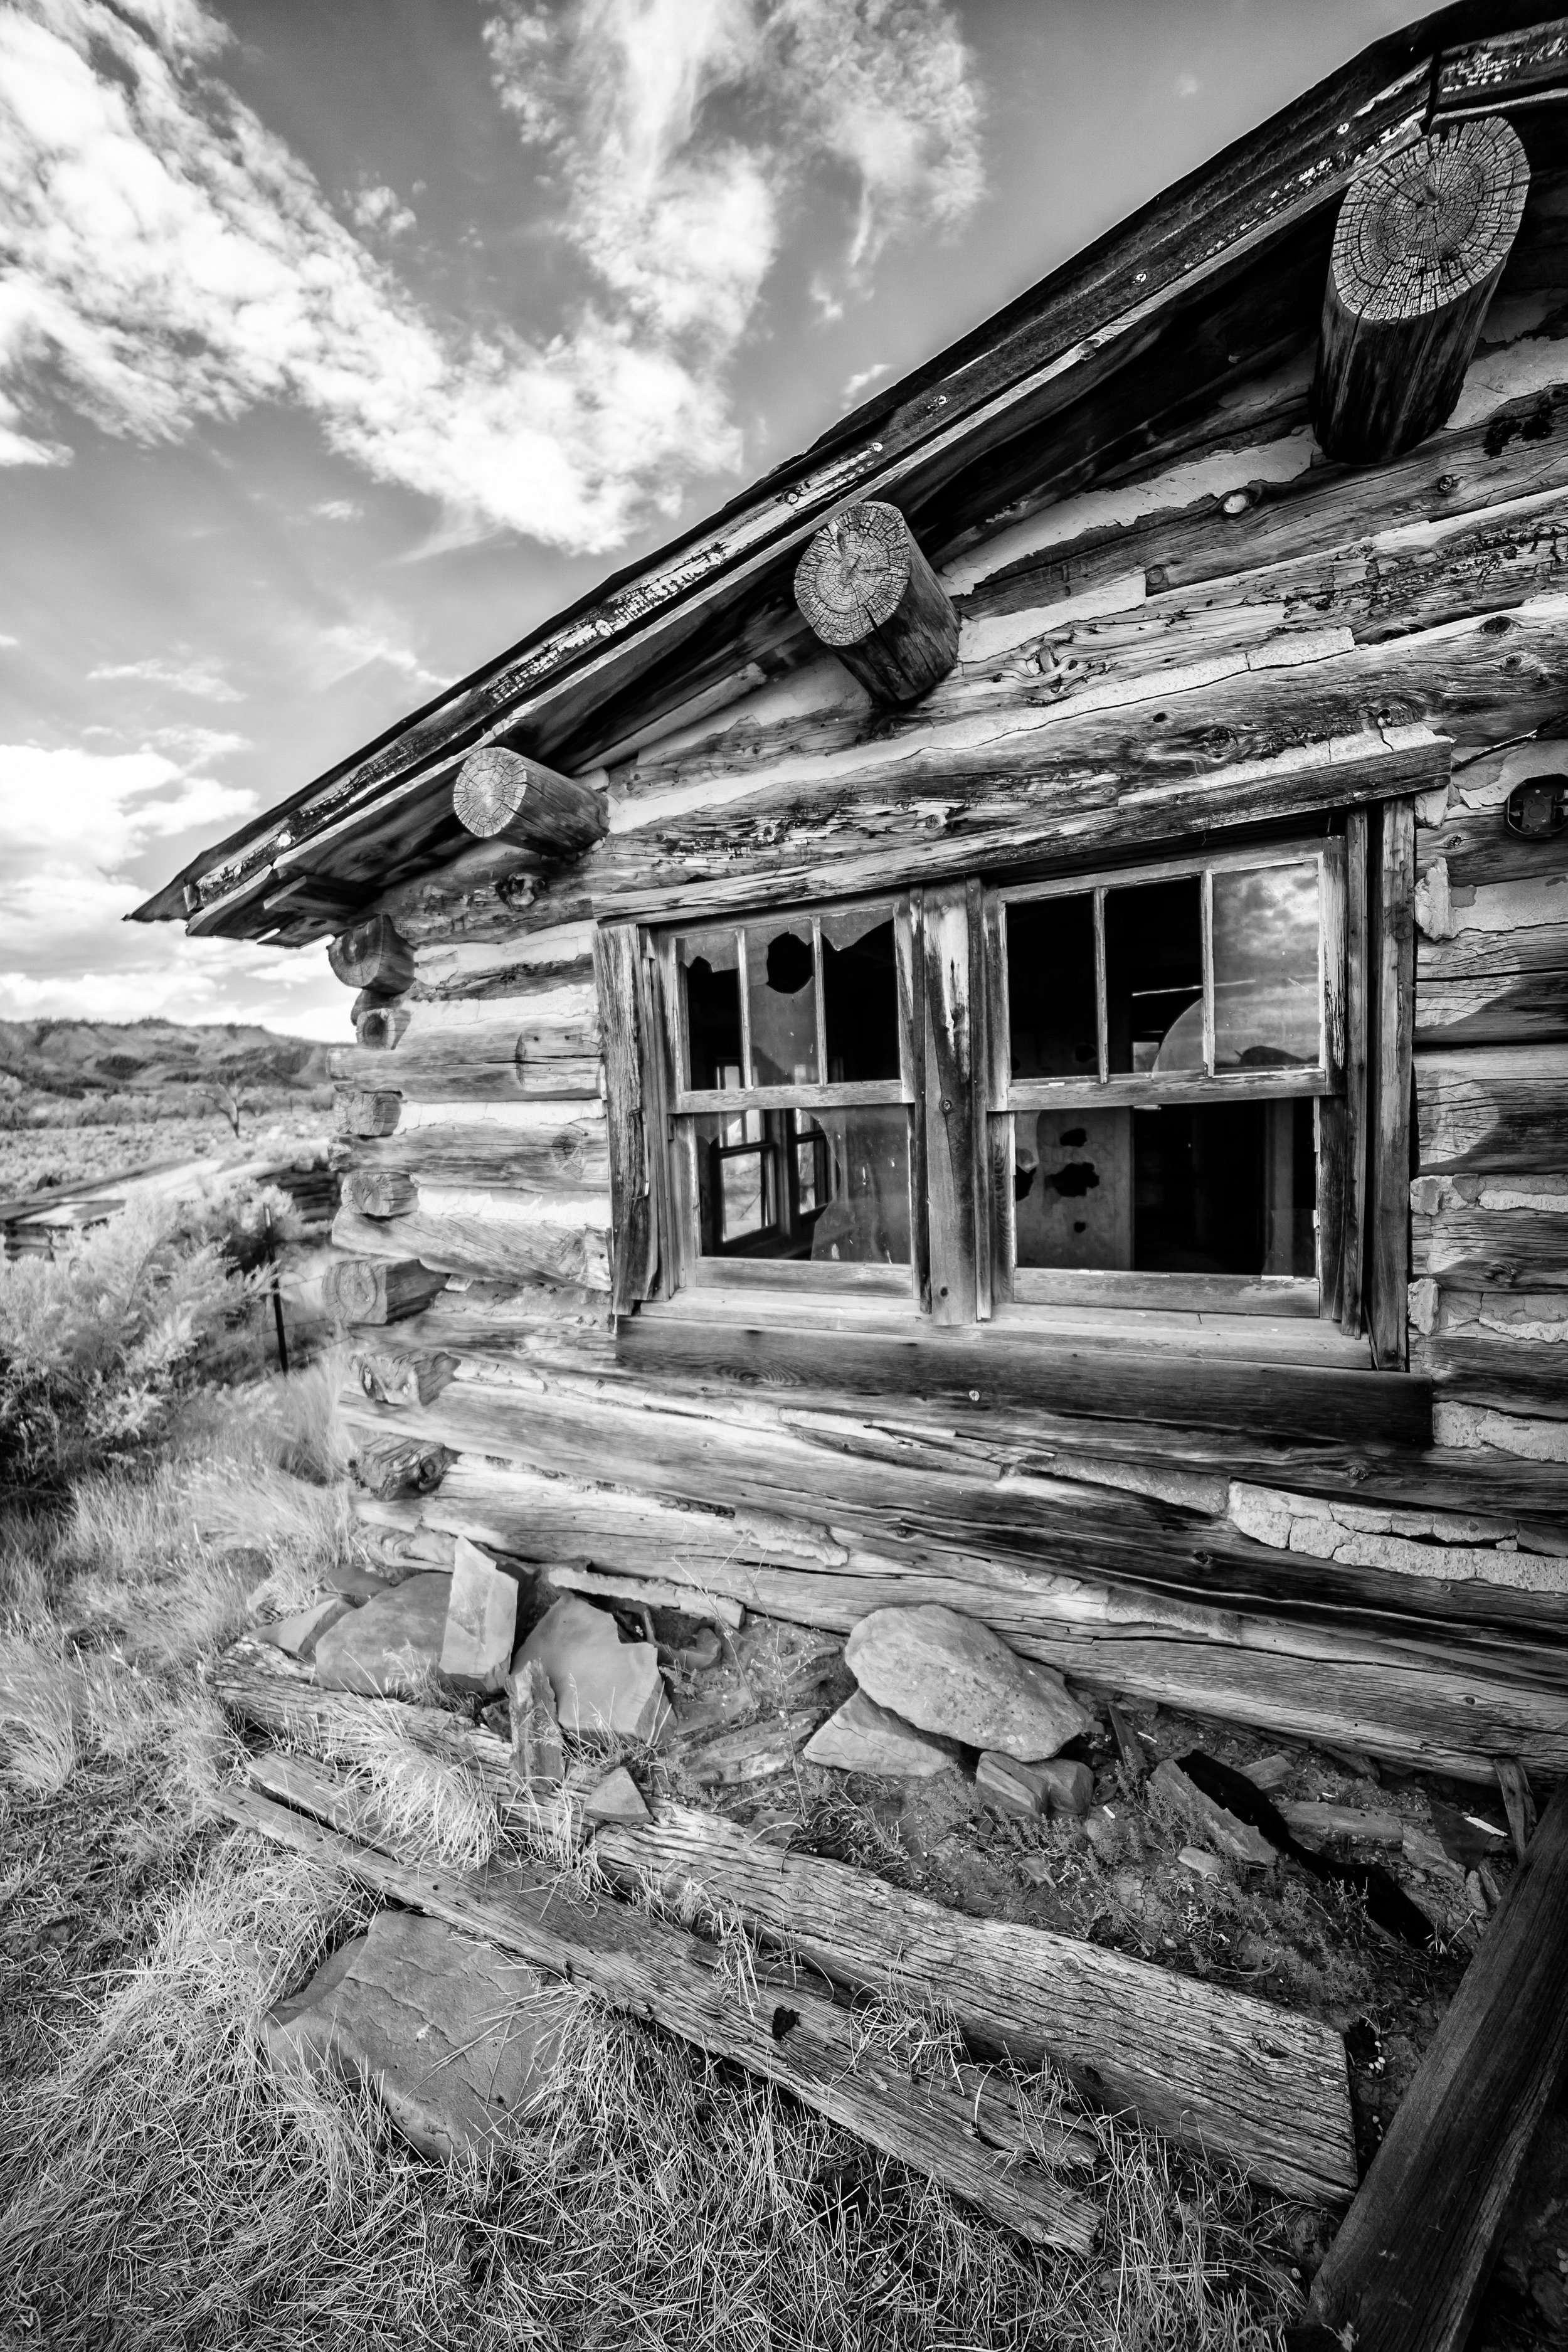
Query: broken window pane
x,y
830,1186
1201,1188
1053,1020
860,997
710,962
1154,975
1266,995
781,1003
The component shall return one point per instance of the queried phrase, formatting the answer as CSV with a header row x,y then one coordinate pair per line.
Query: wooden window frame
x,y
952,1031
824,1277
1115,1290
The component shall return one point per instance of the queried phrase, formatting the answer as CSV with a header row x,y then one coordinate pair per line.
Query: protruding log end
x,y
372,955
1420,244
379,1025
389,1377
502,792
368,1114
393,1467
868,592
380,1193
377,1289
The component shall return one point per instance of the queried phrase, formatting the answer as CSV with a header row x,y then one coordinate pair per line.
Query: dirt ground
x,y
37,1156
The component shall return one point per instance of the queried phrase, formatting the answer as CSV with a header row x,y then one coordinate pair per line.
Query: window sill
x,y
1181,1369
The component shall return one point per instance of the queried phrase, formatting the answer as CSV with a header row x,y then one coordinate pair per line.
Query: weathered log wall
x,y
1236,631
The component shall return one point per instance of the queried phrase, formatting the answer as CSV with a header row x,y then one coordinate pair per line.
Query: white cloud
x,y
354,645
5,641
381,210
337,510
202,680
862,379
195,746
1186,85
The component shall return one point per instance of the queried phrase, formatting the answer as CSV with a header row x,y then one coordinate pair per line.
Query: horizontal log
x,y
1475,845
649,1592
647,1968
1515,1375
518,1237
372,955
1505,1008
452,964
540,1146
1257,2085
502,792
433,1078
1498,1107
1479,1232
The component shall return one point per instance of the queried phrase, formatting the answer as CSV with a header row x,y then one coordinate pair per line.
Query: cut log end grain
x,y
379,1026
868,592
378,1291
393,1467
1421,241
502,792
372,955
380,1193
368,1114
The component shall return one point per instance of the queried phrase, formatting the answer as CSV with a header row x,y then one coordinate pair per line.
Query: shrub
x,y
97,1342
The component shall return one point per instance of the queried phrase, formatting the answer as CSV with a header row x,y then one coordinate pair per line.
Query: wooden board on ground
x,y
792,2035
1243,2079
1407,2271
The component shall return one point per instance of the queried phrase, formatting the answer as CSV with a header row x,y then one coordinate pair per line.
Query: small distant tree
x,y
227,1102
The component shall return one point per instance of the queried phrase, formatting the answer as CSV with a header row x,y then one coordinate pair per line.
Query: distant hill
x,y
83,1058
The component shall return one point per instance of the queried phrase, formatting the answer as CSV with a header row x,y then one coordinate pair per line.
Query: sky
x,y
342,344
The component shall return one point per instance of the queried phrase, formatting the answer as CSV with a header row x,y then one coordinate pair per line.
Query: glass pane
x,y
710,961
831,1186
1266,968
780,1000
1205,1187
1154,975
860,995
1053,1022
1073,1187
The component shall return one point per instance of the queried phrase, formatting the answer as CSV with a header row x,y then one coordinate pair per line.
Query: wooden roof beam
x,y
499,791
868,592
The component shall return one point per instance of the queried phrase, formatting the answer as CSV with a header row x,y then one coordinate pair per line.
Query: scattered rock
x,y
1343,1821
361,1584
1202,1864
950,1674
1268,1773
865,1737
702,1652
1016,1787
756,1752
601,1683
455,2039
1476,1894
481,1621
298,1635
1174,1794
617,1799
1068,1787
538,1758
390,1644
1425,1852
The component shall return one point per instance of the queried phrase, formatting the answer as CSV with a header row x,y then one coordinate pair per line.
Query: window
x,y
794,1094
1161,1040
1128,1103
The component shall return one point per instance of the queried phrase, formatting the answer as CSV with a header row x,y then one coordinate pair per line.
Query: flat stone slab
x,y
297,1635
455,2039
482,1622
865,1737
602,1684
389,1645
1180,1799
949,1674
617,1799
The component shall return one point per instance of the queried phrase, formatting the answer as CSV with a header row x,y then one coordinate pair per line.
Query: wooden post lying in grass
x,y
500,792
786,2034
870,595
1420,244
1407,2271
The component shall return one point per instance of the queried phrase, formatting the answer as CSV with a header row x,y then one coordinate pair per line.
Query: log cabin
x,y
991,1024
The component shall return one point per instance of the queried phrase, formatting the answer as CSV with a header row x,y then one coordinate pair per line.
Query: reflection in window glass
x,y
860,997
829,1186
1266,967
710,961
781,1001
1199,1188
1154,975
1053,1022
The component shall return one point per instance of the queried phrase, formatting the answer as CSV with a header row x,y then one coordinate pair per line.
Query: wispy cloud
x,y
203,679
337,510
170,261
350,645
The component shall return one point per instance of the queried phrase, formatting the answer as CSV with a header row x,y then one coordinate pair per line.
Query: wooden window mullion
x,y
954,1026
1392,1009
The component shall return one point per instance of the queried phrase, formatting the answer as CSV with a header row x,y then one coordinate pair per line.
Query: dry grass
x,y
158,2187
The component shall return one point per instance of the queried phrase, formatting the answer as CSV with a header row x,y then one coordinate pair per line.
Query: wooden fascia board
x,y
763,527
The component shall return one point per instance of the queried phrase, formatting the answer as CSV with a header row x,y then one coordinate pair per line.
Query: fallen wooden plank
x,y
791,2036
1240,2078
1407,2271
